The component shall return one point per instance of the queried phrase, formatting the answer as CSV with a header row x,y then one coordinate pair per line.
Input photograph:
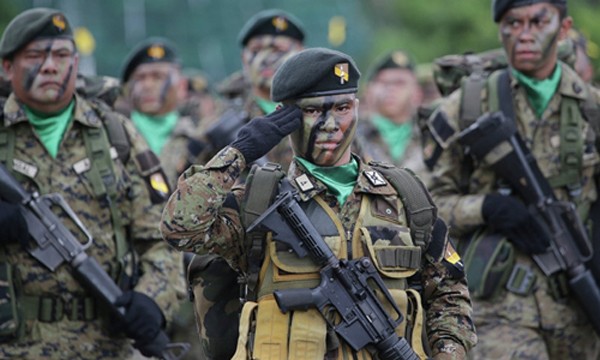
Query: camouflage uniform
x,y
68,336
511,326
203,216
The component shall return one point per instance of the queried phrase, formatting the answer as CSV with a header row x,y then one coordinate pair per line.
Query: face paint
x,y
153,88
263,55
328,127
530,37
42,74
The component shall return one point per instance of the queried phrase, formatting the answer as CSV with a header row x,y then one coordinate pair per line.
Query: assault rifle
x,y
345,284
494,139
56,245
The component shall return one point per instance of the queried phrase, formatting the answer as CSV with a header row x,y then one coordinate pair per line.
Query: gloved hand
x,y
510,217
13,223
261,134
142,322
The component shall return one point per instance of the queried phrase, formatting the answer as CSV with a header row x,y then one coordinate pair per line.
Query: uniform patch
x,y
375,178
341,71
158,183
450,254
304,183
82,166
25,168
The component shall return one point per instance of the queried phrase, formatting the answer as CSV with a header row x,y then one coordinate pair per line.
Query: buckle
x,y
521,280
82,309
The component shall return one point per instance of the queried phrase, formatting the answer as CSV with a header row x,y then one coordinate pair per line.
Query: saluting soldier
x,y
354,206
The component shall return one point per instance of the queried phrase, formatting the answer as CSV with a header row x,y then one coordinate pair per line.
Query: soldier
x,y
55,141
155,88
388,130
206,214
519,311
267,40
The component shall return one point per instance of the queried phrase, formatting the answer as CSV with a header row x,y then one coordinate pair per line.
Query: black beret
x,y
271,22
315,72
33,24
396,59
151,50
499,7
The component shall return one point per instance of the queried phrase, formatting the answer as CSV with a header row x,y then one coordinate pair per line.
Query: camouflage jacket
x,y
462,210
160,268
203,216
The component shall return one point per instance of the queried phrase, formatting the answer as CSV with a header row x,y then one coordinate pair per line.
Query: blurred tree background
x,y
206,30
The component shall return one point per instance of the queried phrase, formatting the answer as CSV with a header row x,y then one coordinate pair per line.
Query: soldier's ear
x,y
7,68
565,25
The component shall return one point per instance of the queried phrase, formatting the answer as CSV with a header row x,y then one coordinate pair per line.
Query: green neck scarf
x,y
539,92
51,128
155,129
340,180
265,105
395,136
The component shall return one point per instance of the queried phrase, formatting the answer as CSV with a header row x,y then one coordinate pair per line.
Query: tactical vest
x,y
572,112
103,146
265,331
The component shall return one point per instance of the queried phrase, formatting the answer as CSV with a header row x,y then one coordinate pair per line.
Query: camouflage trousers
x,y
216,305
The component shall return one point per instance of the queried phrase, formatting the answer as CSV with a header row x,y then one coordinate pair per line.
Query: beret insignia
x,y
341,71
156,51
279,23
59,21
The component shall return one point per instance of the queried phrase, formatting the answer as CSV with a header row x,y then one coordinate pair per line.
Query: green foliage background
x,y
206,30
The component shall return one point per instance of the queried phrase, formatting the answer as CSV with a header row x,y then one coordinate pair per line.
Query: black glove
x,y
261,134
510,217
13,223
142,322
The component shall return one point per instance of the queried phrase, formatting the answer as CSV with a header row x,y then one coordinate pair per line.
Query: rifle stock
x,y
56,245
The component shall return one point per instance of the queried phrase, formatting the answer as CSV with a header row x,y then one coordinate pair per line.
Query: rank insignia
x,y
280,23
375,178
156,52
304,183
59,22
341,71
158,183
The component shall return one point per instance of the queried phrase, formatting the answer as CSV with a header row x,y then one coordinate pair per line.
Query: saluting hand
x,y
261,134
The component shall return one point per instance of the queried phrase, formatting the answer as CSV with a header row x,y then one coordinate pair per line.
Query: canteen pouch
x,y
11,320
489,260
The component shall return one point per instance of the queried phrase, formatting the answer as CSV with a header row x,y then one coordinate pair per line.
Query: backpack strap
x,y
7,139
421,212
262,185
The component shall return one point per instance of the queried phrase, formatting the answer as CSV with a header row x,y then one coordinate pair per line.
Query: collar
x,y
571,85
368,182
83,114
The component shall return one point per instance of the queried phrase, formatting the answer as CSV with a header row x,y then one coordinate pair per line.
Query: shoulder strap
x,y
470,101
421,212
261,187
114,127
7,139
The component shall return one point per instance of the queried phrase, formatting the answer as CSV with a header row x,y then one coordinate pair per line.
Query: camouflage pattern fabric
x,y
196,219
161,270
549,321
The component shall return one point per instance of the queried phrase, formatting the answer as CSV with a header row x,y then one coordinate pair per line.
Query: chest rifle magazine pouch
x,y
11,320
489,260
